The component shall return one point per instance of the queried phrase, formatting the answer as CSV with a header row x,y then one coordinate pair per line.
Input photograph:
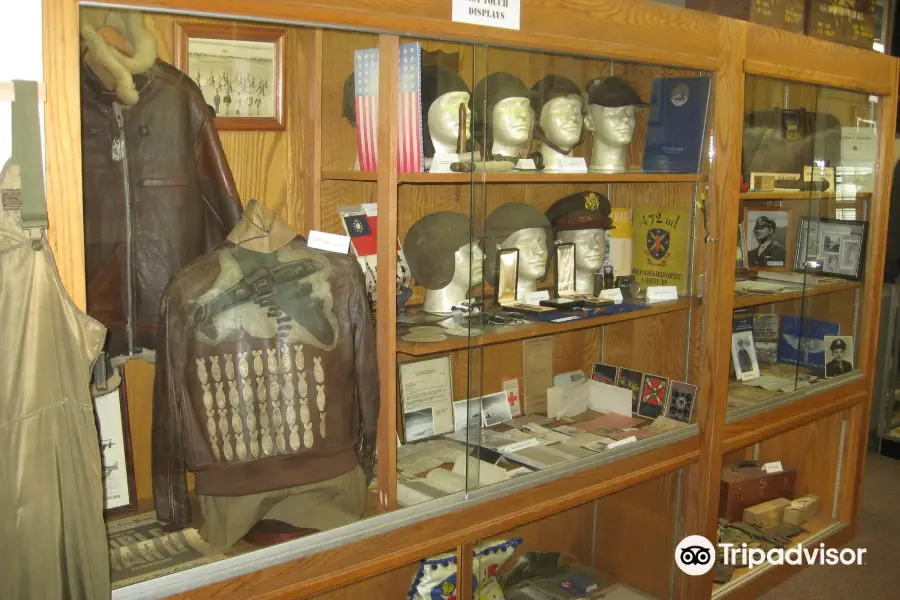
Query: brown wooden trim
x,y
723,204
306,577
775,575
389,61
776,53
62,150
465,566
751,430
312,198
609,28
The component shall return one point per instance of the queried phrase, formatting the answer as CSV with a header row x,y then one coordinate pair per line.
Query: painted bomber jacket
x,y
266,375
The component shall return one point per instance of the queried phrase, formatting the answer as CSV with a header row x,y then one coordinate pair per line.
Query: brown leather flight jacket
x,y
158,193
266,375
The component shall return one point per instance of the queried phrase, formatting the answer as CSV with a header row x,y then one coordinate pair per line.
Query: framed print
x,y
239,69
766,235
654,393
681,401
831,247
426,398
631,380
743,356
111,413
604,373
839,353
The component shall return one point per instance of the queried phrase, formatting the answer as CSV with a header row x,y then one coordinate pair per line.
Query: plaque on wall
x,y
781,14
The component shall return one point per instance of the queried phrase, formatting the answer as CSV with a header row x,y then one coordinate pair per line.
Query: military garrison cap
x,y
613,92
584,210
838,345
764,222
430,247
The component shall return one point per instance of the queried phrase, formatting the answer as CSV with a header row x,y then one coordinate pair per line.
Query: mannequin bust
x,y
611,103
525,228
560,108
583,219
116,67
503,117
444,259
443,91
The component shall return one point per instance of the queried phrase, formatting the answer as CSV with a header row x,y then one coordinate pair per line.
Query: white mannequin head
x,y
513,121
533,251
443,121
612,129
468,272
590,252
562,120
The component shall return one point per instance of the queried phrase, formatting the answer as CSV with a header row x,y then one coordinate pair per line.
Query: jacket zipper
x,y
120,154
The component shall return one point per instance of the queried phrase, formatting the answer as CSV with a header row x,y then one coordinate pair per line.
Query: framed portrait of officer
x,y
766,235
838,355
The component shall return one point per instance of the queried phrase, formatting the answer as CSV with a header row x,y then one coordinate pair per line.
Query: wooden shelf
x,y
520,177
788,196
500,334
794,293
817,529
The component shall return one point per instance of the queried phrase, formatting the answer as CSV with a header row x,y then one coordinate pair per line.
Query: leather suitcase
x,y
745,484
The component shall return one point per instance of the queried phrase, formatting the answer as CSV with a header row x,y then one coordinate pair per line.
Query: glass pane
x,y
797,481
809,168
586,190
622,543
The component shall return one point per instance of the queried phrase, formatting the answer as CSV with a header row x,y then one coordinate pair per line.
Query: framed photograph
x,y
743,354
839,355
426,386
239,69
766,236
831,247
111,413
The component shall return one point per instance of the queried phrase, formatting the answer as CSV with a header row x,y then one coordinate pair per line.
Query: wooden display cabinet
x,y
640,500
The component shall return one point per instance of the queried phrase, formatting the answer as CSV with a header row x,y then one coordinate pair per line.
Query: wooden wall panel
x,y
387,586
341,193
654,345
634,533
338,135
566,532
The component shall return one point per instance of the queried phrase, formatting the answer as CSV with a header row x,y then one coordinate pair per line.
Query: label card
x,y
441,163
331,242
491,13
572,164
621,442
660,293
773,467
516,446
614,294
534,298
526,164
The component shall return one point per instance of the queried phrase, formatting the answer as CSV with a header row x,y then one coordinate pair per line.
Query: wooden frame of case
x,y
615,29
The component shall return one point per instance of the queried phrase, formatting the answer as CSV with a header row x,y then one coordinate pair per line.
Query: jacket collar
x,y
143,82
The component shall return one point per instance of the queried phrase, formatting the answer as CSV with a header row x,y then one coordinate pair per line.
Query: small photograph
x,y
467,415
681,401
830,262
851,248
631,381
654,392
419,424
495,409
604,373
831,243
767,238
743,354
839,355
767,352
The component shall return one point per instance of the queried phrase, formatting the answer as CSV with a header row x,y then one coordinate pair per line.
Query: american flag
x,y
410,152
410,155
365,73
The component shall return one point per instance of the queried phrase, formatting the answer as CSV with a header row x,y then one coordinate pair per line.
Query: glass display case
x,y
782,492
457,291
803,239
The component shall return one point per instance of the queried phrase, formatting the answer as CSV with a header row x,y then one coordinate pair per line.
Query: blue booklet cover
x,y
676,130
803,341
